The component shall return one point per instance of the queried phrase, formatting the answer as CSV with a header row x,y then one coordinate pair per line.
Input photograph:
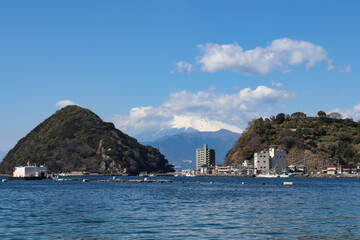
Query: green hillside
x,y
75,138
332,139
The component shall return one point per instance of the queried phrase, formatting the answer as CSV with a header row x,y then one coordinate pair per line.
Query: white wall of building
x,y
29,171
262,161
272,160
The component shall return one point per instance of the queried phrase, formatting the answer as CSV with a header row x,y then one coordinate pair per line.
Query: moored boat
x,y
268,175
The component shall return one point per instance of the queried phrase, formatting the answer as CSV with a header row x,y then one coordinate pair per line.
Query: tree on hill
x,y
298,115
335,115
280,118
321,114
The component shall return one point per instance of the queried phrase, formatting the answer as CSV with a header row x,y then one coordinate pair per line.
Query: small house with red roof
x,y
331,170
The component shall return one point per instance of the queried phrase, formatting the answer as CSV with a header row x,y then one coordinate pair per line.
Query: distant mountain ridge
x,y
180,148
150,136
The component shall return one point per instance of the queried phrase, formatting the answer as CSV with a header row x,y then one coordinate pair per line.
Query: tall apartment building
x,y
205,157
269,161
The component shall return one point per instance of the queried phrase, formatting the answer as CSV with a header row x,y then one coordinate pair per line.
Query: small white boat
x,y
268,175
190,175
285,174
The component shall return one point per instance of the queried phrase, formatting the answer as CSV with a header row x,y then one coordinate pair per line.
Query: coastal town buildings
x,y
246,168
205,157
270,160
342,169
297,168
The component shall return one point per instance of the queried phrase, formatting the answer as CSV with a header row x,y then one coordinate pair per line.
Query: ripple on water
x,y
311,209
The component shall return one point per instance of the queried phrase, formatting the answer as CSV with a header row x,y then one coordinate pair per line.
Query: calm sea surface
x,y
185,209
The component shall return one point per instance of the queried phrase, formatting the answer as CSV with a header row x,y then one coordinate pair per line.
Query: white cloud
x,y
204,111
212,88
279,55
346,69
277,84
64,103
184,67
353,113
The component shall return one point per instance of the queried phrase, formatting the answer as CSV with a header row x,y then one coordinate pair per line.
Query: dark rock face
x,y
75,138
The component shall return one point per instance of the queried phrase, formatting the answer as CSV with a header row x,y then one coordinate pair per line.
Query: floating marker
x,y
211,182
263,183
288,183
85,180
4,180
243,183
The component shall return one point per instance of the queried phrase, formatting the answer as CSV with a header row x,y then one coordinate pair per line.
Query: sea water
x,y
188,208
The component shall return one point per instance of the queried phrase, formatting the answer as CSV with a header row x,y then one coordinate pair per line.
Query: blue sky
x,y
147,65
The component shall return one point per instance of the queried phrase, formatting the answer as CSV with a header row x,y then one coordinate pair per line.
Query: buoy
x,y
4,180
114,178
243,183
85,180
288,183
182,181
263,183
211,182
198,182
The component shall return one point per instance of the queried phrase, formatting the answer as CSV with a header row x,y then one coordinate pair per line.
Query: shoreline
x,y
214,175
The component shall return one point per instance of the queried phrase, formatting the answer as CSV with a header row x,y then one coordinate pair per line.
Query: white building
x,y
30,171
236,169
270,161
205,157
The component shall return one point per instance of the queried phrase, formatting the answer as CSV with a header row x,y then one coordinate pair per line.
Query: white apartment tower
x,y
269,161
205,157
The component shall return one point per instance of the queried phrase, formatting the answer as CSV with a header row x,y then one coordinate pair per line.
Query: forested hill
x,y
331,138
75,138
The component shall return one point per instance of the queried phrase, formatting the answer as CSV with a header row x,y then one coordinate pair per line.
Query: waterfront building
x,y
270,160
30,171
224,169
206,170
246,163
297,168
332,170
205,157
349,169
243,169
